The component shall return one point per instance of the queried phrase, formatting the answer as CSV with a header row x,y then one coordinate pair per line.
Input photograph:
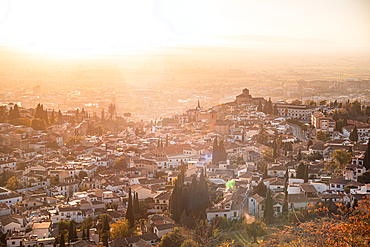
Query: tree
x,y
320,135
38,124
62,241
367,156
120,163
215,153
309,143
172,239
342,158
268,154
13,183
354,134
364,178
268,213
256,229
121,228
222,151
262,136
301,170
299,155
305,177
82,174
260,189
72,234
136,202
112,110
130,214
190,243
323,102
60,116
104,233
275,111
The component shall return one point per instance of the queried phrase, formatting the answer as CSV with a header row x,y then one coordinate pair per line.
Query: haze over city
x,y
194,123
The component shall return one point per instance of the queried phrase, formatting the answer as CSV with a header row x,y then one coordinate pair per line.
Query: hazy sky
x,y
124,26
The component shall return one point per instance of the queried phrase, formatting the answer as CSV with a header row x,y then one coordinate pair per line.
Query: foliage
x,y
320,135
190,243
268,213
82,174
364,178
218,151
130,214
295,216
343,226
300,170
192,198
121,228
341,157
268,154
367,157
309,143
173,238
21,121
256,229
104,228
262,136
260,189
13,183
315,156
21,165
353,136
120,163
72,236
38,124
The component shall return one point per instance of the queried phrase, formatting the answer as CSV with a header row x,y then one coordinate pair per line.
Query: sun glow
x,y
121,27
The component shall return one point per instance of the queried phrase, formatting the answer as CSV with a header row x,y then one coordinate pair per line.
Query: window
x,y
338,186
216,215
225,215
235,214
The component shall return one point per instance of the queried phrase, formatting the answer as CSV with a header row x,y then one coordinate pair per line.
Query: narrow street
x,y
297,132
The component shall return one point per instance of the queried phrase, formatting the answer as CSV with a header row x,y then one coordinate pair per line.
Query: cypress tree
x,y
299,155
60,116
286,184
215,155
305,177
130,215
354,134
222,155
175,203
136,203
204,197
268,213
275,112
259,108
62,241
367,156
166,140
52,117
300,170
16,111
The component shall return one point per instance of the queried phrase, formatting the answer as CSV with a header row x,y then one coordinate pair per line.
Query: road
x,y
297,132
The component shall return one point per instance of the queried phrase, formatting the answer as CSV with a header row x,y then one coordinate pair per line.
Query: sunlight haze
x,y
121,27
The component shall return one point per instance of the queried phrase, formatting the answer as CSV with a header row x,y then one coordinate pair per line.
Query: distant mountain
x,y
268,40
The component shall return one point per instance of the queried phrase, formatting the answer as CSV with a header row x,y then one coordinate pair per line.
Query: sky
x,y
109,27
